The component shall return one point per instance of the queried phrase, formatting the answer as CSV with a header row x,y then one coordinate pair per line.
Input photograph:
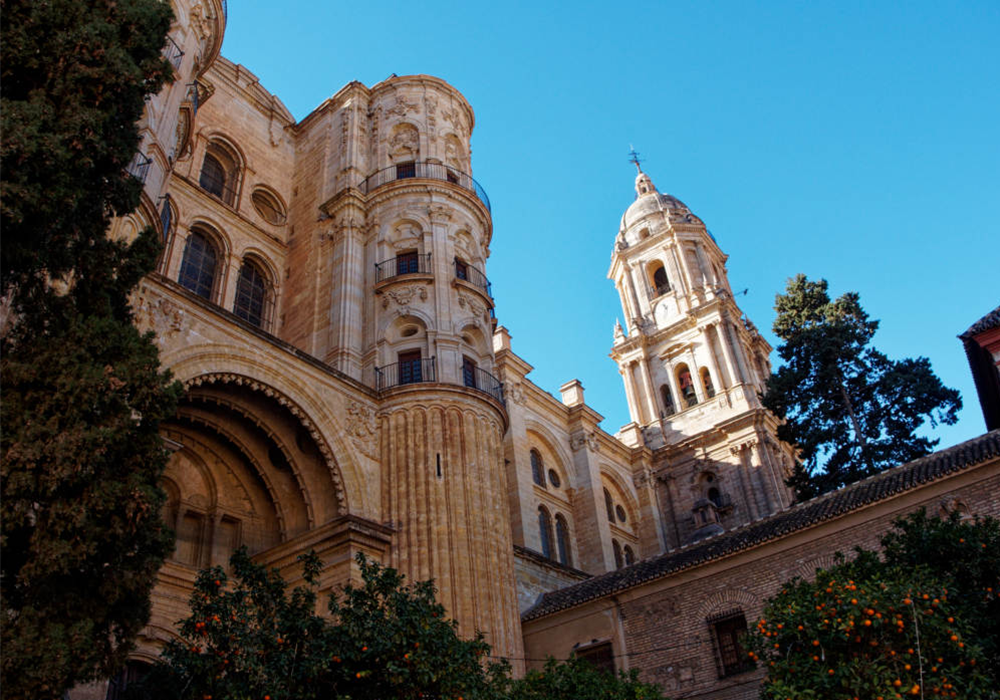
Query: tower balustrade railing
x,y
405,372
473,276
425,170
480,379
405,264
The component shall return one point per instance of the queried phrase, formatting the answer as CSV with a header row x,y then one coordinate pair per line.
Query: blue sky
x,y
854,141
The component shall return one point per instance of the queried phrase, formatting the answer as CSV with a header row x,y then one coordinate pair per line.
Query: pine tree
x,y
849,409
83,393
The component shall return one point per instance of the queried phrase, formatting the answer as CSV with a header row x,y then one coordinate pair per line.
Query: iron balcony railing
x,y
423,169
405,264
405,372
172,52
476,378
139,167
473,276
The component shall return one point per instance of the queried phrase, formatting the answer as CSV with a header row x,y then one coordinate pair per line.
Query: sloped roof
x,y
986,323
799,517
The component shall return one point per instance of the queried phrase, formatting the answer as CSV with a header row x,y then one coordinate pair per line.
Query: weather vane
x,y
634,158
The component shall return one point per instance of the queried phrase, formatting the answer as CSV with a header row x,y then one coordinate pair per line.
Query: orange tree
x,y
247,637
870,629
577,679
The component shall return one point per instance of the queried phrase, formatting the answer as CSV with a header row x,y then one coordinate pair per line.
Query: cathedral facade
x,y
324,297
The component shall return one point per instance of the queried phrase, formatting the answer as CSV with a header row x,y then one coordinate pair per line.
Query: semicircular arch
x,y
217,363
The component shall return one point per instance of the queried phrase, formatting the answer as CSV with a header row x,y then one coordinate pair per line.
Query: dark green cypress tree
x,y
83,393
849,409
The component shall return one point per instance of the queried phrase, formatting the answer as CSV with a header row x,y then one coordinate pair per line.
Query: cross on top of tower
x,y
634,158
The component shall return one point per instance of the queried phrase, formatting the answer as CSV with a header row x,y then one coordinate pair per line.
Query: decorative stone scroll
x,y
293,408
404,295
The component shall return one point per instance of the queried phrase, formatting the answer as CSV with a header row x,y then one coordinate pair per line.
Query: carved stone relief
x,y
402,107
515,392
363,429
475,308
161,315
588,440
404,142
404,295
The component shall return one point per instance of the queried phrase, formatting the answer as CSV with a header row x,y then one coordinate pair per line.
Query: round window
x,y
268,207
620,512
554,478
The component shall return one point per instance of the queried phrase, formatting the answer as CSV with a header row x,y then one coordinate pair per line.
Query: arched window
x,y
537,470
268,206
668,400
562,540
706,381
545,531
619,562
251,295
661,285
715,497
609,505
686,384
629,556
198,265
220,173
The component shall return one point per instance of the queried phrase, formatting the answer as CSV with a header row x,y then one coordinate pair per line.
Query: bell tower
x,y
693,367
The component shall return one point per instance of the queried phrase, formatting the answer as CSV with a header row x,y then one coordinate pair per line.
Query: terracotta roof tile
x,y
800,516
987,322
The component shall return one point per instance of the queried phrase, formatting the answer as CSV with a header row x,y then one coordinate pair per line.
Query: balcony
x,y
481,380
419,371
405,372
426,171
474,276
404,264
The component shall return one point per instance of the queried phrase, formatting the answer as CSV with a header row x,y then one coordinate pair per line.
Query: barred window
x,y
728,632
198,265
251,295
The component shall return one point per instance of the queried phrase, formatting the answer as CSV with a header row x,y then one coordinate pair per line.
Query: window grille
x,y
251,295
198,266
728,632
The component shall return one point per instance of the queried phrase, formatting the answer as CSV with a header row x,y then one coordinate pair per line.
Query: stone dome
x,y
648,201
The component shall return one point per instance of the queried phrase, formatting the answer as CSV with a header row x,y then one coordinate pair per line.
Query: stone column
x,y
713,366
